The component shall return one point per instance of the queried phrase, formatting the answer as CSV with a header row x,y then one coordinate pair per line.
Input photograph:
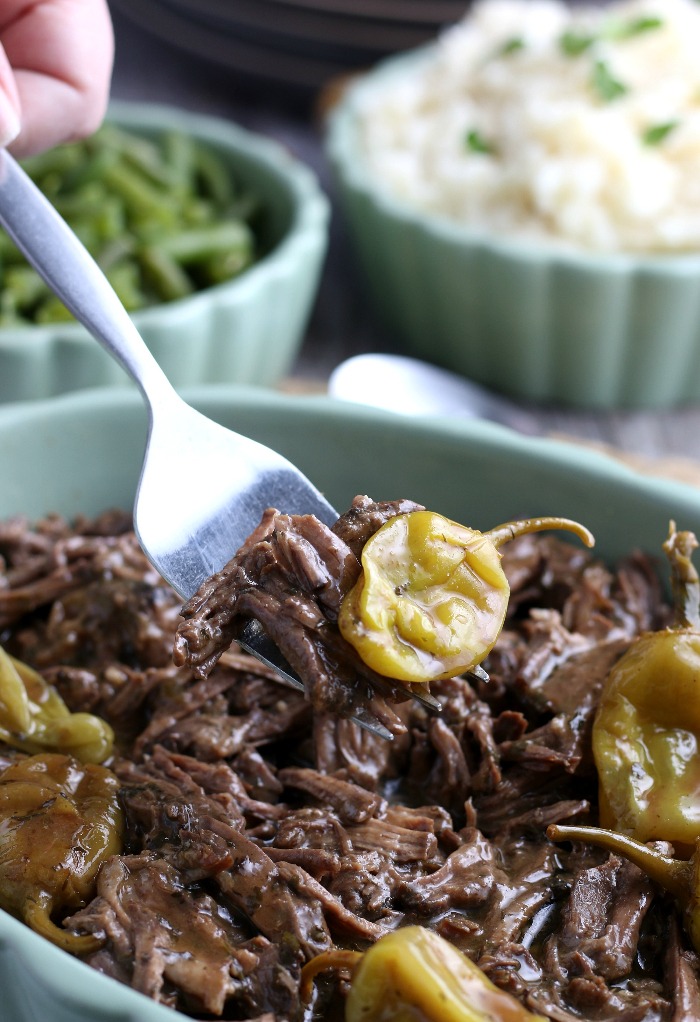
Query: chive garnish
x,y
573,44
476,142
511,46
633,27
605,84
655,134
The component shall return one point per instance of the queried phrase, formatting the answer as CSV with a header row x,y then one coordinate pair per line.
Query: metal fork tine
x,y
254,640
364,719
478,673
422,694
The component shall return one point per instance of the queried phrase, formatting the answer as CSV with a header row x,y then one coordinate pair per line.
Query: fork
x,y
187,532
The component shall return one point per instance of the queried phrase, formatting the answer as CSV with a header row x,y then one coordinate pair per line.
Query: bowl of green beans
x,y
212,236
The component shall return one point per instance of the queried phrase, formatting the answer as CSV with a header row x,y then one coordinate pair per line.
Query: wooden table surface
x,y
342,324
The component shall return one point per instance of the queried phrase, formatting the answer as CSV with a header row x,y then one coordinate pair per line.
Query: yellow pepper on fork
x,y
432,597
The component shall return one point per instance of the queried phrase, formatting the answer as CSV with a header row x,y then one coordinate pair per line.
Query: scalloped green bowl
x,y
541,324
247,330
82,453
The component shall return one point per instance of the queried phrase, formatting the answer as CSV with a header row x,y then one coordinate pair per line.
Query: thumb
x,y
9,103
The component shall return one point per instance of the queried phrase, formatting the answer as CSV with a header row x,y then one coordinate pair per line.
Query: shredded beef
x,y
291,576
262,826
167,937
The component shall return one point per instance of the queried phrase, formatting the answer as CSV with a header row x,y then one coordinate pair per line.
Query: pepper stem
x,y
335,959
674,875
685,584
511,530
36,916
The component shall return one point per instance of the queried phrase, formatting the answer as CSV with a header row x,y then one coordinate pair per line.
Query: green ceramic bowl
x,y
82,453
536,323
248,330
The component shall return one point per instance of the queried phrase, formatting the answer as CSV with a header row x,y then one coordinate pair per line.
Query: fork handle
x,y
61,259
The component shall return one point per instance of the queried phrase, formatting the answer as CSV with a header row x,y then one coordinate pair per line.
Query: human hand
x,y
55,71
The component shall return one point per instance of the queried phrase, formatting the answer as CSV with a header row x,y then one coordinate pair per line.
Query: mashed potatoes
x,y
532,118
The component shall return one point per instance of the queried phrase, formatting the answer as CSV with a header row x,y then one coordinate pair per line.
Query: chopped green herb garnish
x,y
633,27
476,142
657,133
573,44
605,84
511,46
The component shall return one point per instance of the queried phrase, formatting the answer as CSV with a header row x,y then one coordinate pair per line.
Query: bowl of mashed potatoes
x,y
524,198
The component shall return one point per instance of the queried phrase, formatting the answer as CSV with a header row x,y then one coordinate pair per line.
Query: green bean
x,y
84,200
219,268
54,163
180,153
125,278
196,212
160,213
140,196
141,154
216,182
165,274
116,250
104,212
90,171
201,243
52,310
86,230
9,253
24,288
111,219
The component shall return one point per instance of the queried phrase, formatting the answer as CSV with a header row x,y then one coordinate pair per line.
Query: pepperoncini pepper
x,y
59,821
414,975
33,717
647,727
432,597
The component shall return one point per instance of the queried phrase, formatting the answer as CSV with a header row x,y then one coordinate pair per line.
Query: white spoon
x,y
409,386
